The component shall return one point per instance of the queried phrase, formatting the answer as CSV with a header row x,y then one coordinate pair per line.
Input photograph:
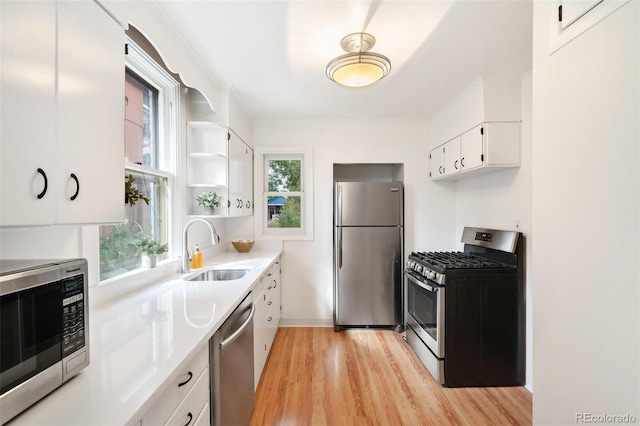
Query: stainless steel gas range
x,y
466,310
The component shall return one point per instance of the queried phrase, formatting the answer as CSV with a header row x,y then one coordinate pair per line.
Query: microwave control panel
x,y
73,331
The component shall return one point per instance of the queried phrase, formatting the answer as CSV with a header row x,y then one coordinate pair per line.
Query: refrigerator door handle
x,y
340,247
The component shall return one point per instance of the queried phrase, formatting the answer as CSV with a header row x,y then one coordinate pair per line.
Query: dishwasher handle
x,y
240,330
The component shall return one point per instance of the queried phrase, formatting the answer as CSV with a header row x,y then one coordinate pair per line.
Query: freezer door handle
x,y
339,212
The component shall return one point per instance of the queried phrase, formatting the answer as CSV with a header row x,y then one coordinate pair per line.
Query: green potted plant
x,y
150,249
131,193
209,200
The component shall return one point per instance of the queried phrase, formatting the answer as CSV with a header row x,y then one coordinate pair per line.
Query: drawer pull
x,y
275,283
186,381
269,274
190,416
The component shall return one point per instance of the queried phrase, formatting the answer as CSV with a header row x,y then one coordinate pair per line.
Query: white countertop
x,y
139,341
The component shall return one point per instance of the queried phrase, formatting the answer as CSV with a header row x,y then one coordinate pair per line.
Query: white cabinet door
x,y
471,148
240,177
437,162
27,153
90,115
572,10
260,333
452,157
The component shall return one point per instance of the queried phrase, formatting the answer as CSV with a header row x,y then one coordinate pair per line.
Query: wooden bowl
x,y
242,246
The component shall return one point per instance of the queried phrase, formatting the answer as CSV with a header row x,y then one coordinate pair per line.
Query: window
x,y
150,144
284,191
285,181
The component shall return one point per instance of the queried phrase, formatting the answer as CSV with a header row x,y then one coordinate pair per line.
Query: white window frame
x,y
306,230
138,61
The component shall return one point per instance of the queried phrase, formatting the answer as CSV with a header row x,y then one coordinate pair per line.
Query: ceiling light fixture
x,y
359,67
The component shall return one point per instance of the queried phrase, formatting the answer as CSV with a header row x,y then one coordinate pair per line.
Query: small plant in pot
x,y
131,193
209,200
150,249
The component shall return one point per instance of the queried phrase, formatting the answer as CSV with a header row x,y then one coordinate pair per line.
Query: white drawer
x,y
192,405
204,418
180,386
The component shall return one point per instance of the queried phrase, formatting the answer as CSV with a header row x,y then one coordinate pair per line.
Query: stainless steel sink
x,y
219,275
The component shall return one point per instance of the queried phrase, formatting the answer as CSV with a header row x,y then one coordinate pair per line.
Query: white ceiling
x,y
274,53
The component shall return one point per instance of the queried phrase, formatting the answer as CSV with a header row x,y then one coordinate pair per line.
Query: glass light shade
x,y
358,69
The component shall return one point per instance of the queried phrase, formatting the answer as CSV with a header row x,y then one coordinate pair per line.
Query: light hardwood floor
x,y
315,376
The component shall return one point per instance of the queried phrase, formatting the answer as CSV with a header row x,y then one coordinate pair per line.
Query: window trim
x,y
306,231
141,63
169,117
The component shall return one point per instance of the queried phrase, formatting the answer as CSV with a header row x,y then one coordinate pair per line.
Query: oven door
x,y
425,305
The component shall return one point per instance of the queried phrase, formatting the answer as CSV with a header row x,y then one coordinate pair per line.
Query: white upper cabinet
x,y
218,161
62,150
437,162
572,10
27,153
480,130
91,101
485,148
240,177
452,157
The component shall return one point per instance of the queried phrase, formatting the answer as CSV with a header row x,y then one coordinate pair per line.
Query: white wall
x,y
586,220
502,200
307,282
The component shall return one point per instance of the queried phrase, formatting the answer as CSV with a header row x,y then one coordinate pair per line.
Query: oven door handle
x,y
426,286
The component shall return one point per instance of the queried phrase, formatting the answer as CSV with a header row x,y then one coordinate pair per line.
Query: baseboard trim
x,y
297,322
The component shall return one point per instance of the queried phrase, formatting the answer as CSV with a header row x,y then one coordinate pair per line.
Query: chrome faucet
x,y
215,239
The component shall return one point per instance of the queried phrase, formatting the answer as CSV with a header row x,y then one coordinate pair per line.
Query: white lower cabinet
x,y
192,406
187,399
204,418
267,317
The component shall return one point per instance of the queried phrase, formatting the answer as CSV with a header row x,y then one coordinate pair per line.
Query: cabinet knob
x,y
269,303
46,183
269,288
269,319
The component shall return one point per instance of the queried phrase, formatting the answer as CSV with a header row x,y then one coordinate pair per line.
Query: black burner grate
x,y
454,260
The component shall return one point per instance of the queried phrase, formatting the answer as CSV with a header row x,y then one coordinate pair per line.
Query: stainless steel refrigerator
x,y
368,254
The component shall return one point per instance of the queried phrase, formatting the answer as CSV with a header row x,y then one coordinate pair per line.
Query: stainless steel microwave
x,y
44,329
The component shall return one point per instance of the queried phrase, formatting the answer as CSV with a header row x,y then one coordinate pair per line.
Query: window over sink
x,y
151,97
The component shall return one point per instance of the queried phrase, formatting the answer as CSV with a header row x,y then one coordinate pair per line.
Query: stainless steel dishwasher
x,y
231,358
